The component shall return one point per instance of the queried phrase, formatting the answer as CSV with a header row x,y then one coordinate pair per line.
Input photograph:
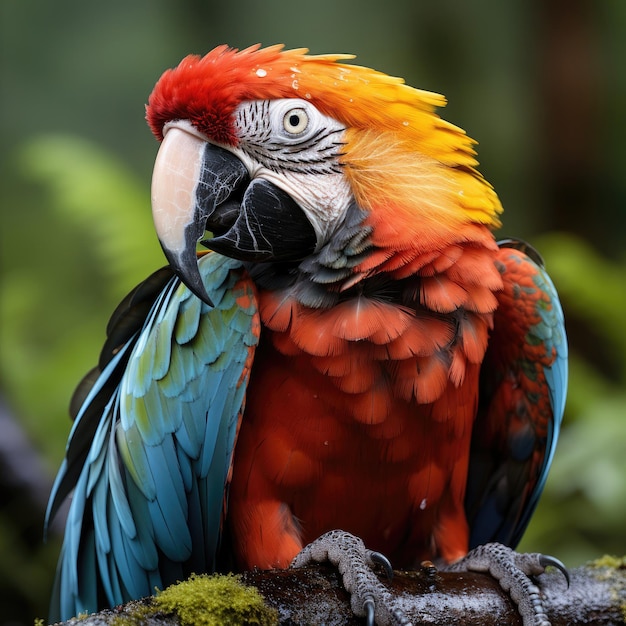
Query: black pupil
x,y
294,119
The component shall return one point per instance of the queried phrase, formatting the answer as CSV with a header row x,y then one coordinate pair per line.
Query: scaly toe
x,y
369,598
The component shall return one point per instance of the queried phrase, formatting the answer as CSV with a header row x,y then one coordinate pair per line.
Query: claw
x,y
369,598
546,560
381,559
369,607
515,573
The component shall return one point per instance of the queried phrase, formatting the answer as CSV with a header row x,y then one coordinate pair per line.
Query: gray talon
x,y
381,559
515,573
369,607
369,598
546,560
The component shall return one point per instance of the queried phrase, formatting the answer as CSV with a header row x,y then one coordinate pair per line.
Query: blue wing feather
x,y
150,451
188,320
552,331
522,399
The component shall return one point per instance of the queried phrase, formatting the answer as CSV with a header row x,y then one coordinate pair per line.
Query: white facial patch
x,y
291,144
323,197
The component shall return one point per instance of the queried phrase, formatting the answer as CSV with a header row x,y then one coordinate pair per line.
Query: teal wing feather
x,y
151,448
522,399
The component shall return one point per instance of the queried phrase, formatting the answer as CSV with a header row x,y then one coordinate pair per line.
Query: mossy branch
x,y
314,595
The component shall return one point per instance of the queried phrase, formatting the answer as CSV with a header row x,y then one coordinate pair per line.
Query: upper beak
x,y
197,186
190,178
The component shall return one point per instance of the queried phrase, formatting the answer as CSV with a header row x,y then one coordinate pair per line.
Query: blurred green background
x,y
541,85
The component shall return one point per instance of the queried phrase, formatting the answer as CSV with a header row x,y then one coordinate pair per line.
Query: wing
x,y
522,398
150,451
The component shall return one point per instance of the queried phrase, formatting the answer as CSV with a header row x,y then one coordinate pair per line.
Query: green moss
x,y
614,562
214,601
134,615
607,565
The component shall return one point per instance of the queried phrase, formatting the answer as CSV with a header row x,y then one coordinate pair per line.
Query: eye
x,y
295,121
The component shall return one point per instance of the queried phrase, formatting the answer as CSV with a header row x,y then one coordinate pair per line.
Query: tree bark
x,y
314,595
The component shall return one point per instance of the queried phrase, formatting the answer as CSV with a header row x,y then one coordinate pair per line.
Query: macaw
x,y
356,350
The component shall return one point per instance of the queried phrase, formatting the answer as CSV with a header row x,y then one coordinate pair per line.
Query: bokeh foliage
x,y
76,231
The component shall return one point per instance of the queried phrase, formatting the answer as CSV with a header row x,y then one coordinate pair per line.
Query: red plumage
x,y
370,401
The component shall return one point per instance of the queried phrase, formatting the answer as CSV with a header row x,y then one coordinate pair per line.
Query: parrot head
x,y
285,156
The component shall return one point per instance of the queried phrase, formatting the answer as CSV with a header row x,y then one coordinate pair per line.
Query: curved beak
x,y
197,186
190,178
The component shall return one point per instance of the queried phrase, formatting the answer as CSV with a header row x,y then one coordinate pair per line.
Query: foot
x,y
514,573
369,598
